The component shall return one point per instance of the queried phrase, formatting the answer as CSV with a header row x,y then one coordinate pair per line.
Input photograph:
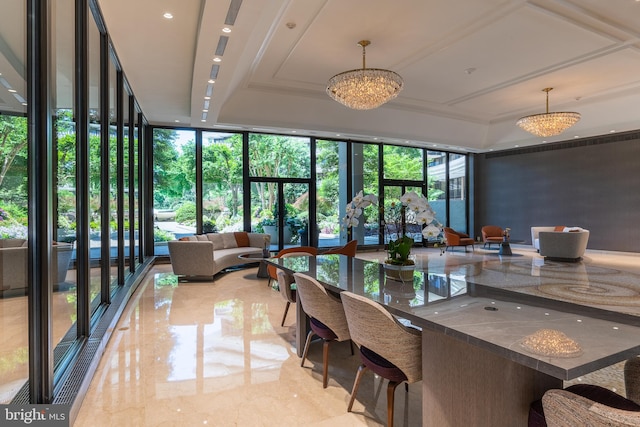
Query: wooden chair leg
x,y
286,310
325,363
356,384
391,388
306,347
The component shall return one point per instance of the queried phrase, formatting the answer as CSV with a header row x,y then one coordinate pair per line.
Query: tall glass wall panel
x,y
95,166
458,192
222,208
437,184
125,225
14,369
64,142
135,183
14,348
365,177
277,210
113,173
174,190
331,189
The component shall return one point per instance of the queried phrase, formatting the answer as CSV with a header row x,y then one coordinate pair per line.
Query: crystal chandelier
x,y
365,88
548,124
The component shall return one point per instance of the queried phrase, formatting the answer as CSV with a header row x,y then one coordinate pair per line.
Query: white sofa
x,y
560,243
208,254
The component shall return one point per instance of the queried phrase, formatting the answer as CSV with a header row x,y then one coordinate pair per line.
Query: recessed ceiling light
x,y
217,59
613,130
12,90
517,146
203,120
226,30
211,81
207,97
576,136
168,15
205,111
177,121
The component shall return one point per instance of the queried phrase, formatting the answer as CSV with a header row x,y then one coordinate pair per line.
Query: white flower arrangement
x,y
415,205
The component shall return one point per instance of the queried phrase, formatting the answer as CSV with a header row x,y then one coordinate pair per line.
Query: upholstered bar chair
x,y
349,249
387,347
285,282
327,318
590,405
491,234
272,271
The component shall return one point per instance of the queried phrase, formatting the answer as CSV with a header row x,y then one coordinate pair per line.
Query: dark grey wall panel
x,y
592,183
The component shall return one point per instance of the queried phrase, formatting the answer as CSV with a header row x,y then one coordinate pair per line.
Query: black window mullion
x,y
199,185
120,174
131,186
40,201
82,169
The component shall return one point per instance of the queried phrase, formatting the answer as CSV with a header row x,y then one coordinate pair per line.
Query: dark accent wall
x,y
593,183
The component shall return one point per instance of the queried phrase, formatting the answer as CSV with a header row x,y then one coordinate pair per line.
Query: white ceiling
x,y
471,67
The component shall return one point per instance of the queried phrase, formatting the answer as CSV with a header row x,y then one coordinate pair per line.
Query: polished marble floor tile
x,y
213,353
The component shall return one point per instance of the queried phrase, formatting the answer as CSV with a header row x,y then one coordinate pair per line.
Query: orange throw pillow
x,y
242,239
184,239
559,228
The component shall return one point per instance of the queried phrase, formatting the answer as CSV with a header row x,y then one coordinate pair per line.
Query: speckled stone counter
x,y
482,322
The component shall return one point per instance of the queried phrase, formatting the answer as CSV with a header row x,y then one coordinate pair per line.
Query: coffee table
x,y
258,257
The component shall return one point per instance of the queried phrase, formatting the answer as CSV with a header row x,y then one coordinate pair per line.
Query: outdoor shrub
x,y
162,235
209,226
186,213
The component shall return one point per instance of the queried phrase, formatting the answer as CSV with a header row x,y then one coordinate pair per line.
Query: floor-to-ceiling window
x,y
55,157
13,200
331,187
222,190
243,185
458,192
174,191
96,172
403,172
365,166
280,178
437,184
64,313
